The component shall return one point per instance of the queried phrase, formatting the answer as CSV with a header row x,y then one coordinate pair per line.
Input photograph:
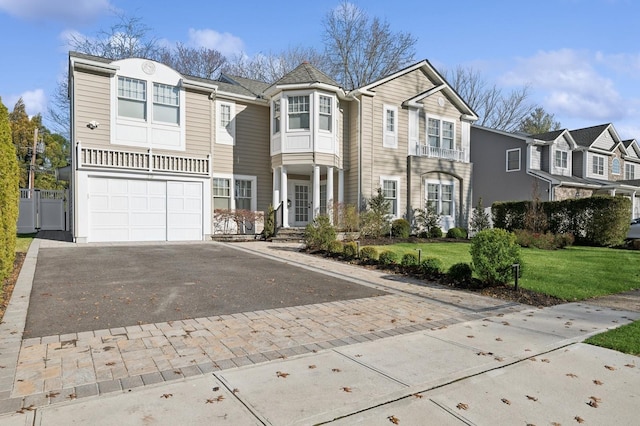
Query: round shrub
x,y
368,253
457,233
409,259
350,250
493,251
431,266
460,272
319,234
335,248
388,257
400,228
435,232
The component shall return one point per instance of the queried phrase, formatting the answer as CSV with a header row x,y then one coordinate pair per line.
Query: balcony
x,y
142,161
443,153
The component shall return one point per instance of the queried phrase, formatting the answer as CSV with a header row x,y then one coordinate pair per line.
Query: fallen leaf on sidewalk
x,y
166,395
498,339
545,360
53,394
394,420
579,419
462,406
573,376
281,374
608,367
506,401
598,382
532,398
417,395
336,370
346,389
630,365
312,366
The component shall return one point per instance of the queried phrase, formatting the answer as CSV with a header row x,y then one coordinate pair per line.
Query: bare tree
x,y
271,67
496,109
360,49
198,62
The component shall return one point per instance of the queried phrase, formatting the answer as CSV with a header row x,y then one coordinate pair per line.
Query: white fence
x,y
42,209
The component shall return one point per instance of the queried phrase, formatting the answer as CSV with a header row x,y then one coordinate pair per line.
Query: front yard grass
x,y
622,339
573,273
23,242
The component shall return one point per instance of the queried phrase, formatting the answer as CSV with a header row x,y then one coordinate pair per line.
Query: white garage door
x,y
143,210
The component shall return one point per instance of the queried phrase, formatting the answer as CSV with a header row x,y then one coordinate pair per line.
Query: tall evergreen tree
x,y
22,132
9,195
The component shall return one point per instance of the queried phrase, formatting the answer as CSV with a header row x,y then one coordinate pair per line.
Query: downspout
x,y
359,126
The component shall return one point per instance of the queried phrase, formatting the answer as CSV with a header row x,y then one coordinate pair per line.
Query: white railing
x,y
147,161
444,153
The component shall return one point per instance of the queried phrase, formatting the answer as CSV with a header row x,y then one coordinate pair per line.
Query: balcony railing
x,y
444,153
143,161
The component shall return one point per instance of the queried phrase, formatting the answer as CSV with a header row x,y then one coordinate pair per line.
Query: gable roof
x,y
549,136
588,135
304,75
438,80
256,87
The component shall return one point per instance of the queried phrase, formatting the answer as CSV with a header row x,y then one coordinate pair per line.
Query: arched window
x,y
615,166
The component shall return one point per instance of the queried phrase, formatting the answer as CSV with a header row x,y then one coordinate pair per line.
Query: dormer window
x,y
298,112
325,115
132,98
598,165
561,159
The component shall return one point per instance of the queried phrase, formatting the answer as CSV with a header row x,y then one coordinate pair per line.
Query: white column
x,y
276,187
340,186
329,205
316,192
283,194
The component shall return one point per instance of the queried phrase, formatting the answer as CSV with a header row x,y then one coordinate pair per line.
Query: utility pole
x,y
32,167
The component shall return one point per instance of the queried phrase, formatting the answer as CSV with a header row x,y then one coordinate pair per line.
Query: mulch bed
x,y
10,282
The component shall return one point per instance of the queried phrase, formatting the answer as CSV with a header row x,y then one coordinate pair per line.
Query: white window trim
x,y
273,117
613,170
507,160
390,138
555,165
593,162
232,188
441,119
440,183
225,135
398,180
332,105
285,109
631,167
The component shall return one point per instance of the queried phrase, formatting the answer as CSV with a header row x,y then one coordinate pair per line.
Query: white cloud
x,y
35,101
623,63
226,43
65,11
570,85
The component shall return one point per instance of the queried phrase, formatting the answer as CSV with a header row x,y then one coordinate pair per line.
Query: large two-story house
x,y
556,165
157,153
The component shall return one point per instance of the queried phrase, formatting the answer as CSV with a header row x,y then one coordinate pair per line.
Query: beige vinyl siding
x,y
198,113
605,141
351,156
222,153
92,102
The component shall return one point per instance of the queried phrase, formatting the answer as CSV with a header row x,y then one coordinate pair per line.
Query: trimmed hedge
x,y
350,250
368,253
409,259
457,233
9,196
387,258
431,266
460,273
601,220
400,228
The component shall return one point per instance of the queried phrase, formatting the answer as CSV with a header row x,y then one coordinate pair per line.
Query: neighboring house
x,y
157,154
557,165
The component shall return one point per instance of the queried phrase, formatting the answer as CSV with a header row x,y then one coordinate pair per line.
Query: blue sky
x,y
581,58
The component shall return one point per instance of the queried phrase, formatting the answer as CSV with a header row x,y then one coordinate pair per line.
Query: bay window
x,y
298,109
325,114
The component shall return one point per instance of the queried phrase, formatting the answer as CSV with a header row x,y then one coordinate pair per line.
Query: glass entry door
x,y
301,204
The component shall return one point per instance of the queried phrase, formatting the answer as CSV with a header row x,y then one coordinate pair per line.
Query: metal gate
x,y
42,209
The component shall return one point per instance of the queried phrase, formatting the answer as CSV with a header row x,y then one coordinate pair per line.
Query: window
x,y
323,198
598,165
440,198
276,117
390,120
243,194
562,159
225,127
132,98
225,115
629,171
325,116
440,133
221,193
299,112
513,160
615,166
390,193
166,103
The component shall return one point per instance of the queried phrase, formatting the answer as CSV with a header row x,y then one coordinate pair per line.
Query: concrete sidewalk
x,y
477,361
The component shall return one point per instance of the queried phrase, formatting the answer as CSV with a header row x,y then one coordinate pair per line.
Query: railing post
x,y
150,160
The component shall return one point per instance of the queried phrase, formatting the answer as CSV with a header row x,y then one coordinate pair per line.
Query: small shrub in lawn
x,y
409,260
457,233
368,253
460,273
335,248
431,266
400,228
387,258
435,232
320,233
565,239
350,250
544,241
493,251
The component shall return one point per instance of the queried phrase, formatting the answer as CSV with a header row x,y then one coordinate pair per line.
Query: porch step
x,y
288,235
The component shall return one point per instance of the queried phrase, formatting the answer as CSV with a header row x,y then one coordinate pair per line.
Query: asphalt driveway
x,y
98,287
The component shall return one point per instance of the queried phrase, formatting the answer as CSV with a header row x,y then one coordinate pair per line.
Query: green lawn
x,y
623,339
574,273
23,242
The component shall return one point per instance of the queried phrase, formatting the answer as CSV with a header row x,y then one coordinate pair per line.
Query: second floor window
x,y
325,116
390,123
166,103
598,165
132,98
440,133
276,117
629,171
562,159
513,160
225,115
299,112
615,166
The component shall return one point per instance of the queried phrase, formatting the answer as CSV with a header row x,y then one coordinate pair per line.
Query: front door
x,y
300,208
